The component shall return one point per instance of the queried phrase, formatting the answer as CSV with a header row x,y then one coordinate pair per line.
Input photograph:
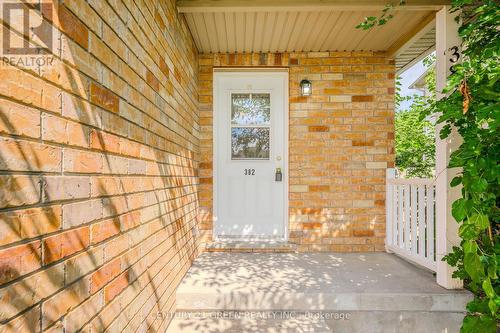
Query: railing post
x,y
389,208
413,219
447,49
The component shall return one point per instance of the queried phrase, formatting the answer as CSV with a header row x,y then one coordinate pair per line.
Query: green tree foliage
x,y
415,138
472,108
374,21
414,144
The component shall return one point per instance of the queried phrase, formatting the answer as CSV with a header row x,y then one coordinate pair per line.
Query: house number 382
x,y
249,172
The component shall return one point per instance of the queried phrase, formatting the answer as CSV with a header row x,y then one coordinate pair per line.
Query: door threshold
x,y
230,238
251,245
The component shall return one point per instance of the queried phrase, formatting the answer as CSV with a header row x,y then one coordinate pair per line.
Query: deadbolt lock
x,y
279,175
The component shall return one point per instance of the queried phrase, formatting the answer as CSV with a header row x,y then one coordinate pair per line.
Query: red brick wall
x,y
341,142
98,170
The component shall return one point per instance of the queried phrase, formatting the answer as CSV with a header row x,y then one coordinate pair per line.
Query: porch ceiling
x,y
294,26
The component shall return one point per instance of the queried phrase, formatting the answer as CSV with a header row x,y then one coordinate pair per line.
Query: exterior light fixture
x,y
305,88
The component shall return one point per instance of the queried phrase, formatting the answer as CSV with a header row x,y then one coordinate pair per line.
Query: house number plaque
x,y
249,172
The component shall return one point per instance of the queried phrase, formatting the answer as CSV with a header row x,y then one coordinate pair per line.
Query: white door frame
x,y
234,72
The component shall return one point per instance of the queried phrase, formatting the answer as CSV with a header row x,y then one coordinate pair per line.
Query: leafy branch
x,y
386,16
472,108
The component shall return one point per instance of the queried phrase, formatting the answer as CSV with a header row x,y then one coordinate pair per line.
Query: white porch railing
x,y
411,226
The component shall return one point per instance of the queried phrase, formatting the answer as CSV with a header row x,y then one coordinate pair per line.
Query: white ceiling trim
x,y
205,6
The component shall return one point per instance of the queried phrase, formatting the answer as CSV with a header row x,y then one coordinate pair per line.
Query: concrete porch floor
x,y
380,292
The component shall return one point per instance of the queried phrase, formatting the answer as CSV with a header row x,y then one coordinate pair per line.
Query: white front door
x,y
250,147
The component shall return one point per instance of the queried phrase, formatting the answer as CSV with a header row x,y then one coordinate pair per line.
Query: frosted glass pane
x,y
249,143
250,109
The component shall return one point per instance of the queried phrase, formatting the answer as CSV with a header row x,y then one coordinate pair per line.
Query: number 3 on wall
x,y
454,58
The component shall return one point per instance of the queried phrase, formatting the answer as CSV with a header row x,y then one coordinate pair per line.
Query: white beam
x,y
192,6
446,227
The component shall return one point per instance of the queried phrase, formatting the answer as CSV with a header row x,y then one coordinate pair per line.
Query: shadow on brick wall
x,y
59,269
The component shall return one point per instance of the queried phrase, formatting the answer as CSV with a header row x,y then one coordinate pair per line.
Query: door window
x,y
250,126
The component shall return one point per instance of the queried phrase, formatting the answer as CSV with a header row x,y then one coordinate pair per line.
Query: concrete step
x,y
236,322
375,289
276,300
316,281
315,322
257,246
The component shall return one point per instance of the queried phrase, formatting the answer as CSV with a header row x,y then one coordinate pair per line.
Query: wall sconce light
x,y
305,88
